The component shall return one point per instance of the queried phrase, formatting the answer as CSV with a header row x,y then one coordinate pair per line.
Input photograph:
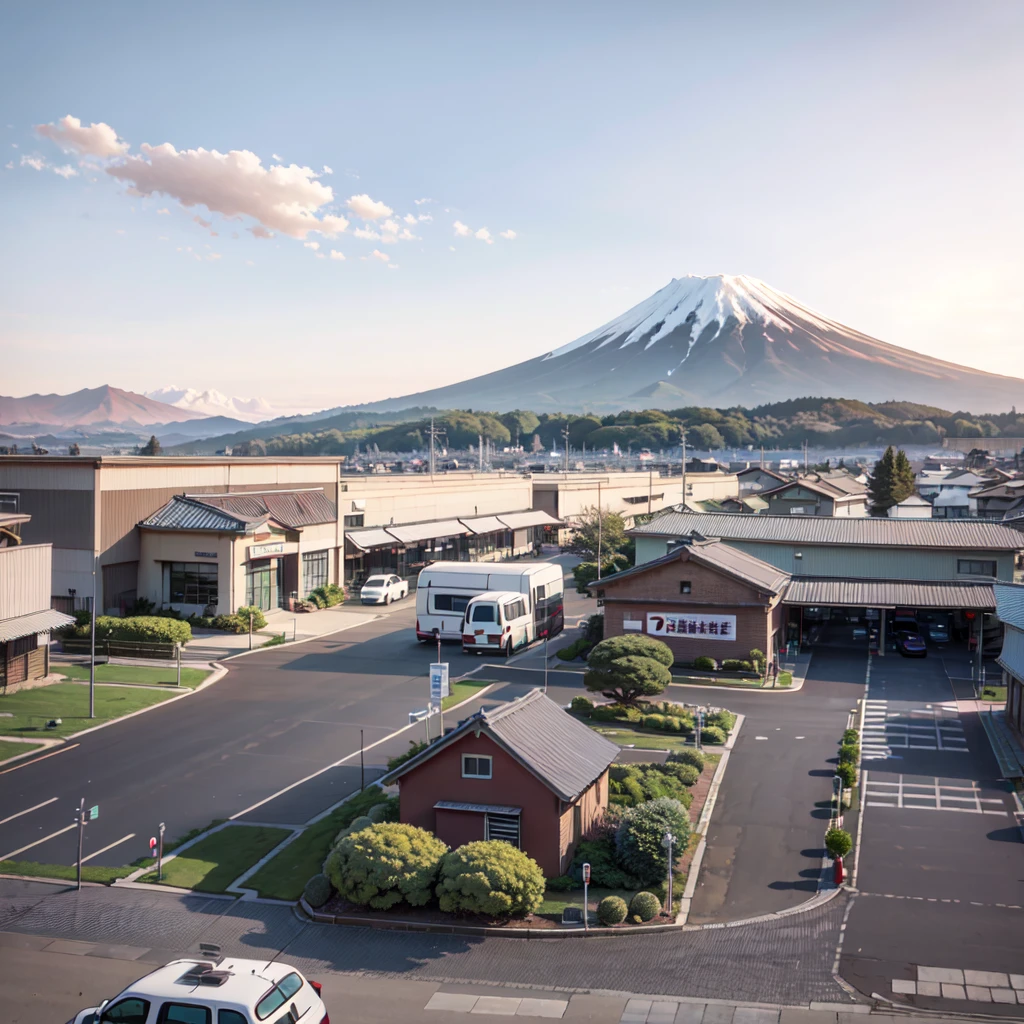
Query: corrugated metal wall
x,y
24,580
61,517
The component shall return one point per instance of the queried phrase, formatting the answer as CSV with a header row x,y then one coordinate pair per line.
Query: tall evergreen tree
x,y
903,478
151,447
880,487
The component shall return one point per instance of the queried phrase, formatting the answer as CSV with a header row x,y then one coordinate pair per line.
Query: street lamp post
x,y
545,662
667,842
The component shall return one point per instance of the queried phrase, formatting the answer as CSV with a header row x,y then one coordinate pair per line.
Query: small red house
x,y
526,772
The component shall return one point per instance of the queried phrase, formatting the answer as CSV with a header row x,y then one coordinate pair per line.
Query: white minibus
x,y
498,620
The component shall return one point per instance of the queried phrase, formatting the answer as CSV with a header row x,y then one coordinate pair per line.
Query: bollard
x,y
839,874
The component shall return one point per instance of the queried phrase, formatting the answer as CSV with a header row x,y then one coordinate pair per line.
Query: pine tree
x,y
151,447
880,488
903,478
73,449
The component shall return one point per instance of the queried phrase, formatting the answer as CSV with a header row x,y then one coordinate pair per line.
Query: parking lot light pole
x,y
667,842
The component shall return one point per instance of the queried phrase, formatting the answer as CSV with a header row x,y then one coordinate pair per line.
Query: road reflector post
x,y
586,900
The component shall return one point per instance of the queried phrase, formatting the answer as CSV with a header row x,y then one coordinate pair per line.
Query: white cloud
x,y
162,238
485,236
9,165
274,156
320,256
261,232
67,171
410,218
382,256
73,137
202,223
282,199
119,231
368,209
392,266
327,170
14,145
407,236
510,234
389,239
367,233
163,212
336,255
390,226
249,263
461,229
213,256
425,217
452,248
420,202
37,163
312,245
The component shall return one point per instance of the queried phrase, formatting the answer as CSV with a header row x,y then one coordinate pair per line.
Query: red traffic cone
x,y
838,873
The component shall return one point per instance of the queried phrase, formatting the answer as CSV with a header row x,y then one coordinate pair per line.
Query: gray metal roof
x,y
521,520
182,513
964,535
291,508
881,593
411,533
371,537
483,524
566,755
1010,604
34,622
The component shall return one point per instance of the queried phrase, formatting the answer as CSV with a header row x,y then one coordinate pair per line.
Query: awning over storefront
x,y
372,537
484,524
521,520
415,532
879,593
34,622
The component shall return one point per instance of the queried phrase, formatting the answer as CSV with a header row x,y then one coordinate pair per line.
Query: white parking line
x,y
38,842
131,835
28,810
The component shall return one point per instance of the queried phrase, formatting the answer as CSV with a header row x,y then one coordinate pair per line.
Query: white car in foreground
x,y
218,990
383,590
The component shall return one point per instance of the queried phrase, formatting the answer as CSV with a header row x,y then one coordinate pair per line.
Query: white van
x,y
444,589
498,620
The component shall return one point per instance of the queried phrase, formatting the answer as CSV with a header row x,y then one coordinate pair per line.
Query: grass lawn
x,y
215,862
69,873
555,902
994,694
32,709
681,680
9,749
461,691
284,877
626,737
163,676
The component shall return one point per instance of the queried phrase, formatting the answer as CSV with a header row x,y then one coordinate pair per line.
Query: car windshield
x,y
374,581
485,613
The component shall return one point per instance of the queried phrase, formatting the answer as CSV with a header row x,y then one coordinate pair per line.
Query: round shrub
x,y
723,719
492,878
712,735
610,650
638,840
685,773
377,813
672,724
356,825
645,905
705,664
608,713
581,705
656,722
381,865
317,891
849,754
612,910
259,620
851,736
838,843
848,773
691,757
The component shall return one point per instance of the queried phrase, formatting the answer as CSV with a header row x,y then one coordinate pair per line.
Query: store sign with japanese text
x,y
705,626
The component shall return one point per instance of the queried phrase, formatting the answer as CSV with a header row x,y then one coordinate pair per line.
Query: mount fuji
x,y
720,341
214,403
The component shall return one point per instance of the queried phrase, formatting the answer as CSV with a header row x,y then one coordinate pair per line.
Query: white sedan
x,y
383,590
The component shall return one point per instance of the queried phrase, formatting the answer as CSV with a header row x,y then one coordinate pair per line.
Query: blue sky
x,y
866,158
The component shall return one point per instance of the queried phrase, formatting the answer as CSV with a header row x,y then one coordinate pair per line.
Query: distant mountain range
x,y
215,403
89,407
719,341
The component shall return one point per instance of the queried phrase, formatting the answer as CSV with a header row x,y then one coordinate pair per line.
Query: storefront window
x,y
190,583
314,571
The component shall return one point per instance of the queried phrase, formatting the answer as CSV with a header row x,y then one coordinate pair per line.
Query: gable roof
x,y
827,488
715,555
239,512
962,534
566,755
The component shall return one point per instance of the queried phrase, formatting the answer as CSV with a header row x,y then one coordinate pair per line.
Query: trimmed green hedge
x,y
141,629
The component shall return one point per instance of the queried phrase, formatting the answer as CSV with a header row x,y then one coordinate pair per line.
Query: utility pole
x,y
682,435
480,451
81,836
565,434
432,435
600,524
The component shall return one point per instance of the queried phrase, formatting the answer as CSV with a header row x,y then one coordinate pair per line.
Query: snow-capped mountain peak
x,y
214,403
700,301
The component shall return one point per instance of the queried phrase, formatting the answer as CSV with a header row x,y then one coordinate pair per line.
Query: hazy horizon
x,y
465,188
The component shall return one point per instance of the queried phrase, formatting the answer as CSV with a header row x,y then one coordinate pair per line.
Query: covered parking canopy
x,y
967,595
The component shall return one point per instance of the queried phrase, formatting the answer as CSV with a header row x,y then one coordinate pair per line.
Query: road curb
x,y
304,640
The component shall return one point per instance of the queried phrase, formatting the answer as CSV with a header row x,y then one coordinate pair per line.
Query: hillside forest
x,y
834,422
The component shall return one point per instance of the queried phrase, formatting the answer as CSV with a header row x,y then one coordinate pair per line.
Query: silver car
x,y
383,589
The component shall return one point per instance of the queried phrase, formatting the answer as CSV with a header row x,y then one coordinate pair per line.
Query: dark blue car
x,y
911,645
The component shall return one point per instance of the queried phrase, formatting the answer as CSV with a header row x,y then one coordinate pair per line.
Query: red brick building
x,y
525,772
703,598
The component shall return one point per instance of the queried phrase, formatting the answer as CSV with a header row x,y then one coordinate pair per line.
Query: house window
x,y
797,510
975,567
351,521
685,587
314,571
502,826
190,583
476,766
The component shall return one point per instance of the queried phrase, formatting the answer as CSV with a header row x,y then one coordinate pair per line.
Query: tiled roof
x,y
965,535
566,755
34,622
291,508
880,593
182,513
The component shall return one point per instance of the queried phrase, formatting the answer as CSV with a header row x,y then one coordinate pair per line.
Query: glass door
x,y
258,585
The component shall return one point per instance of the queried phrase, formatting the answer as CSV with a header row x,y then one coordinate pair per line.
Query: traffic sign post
x,y
586,900
439,687
81,838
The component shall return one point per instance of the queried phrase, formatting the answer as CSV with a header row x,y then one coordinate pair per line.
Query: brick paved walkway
x,y
776,962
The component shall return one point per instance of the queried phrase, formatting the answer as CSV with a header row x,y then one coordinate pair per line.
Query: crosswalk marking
x,y
929,728
935,795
